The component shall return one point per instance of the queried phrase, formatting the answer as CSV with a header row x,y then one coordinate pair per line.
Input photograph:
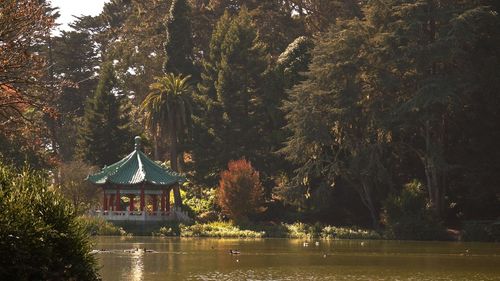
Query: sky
x,y
70,8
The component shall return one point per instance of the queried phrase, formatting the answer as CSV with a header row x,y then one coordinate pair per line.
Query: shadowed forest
x,y
379,114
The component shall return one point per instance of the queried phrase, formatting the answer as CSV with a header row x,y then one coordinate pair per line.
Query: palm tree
x,y
168,112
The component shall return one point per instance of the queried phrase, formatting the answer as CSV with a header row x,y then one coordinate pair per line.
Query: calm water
x,y
286,259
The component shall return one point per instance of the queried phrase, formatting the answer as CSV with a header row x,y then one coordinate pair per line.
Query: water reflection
x,y
283,259
137,264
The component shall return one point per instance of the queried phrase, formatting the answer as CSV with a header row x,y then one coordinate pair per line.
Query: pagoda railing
x,y
141,215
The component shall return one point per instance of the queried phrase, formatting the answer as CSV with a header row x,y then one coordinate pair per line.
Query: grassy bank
x,y
282,230
99,226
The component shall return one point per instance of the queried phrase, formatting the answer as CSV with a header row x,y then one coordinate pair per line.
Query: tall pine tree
x,y
179,42
232,91
105,135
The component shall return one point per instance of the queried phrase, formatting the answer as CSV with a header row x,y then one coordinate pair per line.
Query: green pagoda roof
x,y
136,168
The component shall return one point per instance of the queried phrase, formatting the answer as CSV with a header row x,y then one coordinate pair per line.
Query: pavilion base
x,y
143,228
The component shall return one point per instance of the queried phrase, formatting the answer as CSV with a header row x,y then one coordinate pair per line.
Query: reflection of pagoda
x,y
137,176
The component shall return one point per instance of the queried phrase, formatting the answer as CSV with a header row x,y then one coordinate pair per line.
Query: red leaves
x,y
240,191
24,26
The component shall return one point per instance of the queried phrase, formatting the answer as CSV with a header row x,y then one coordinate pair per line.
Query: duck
x,y
234,252
316,243
305,244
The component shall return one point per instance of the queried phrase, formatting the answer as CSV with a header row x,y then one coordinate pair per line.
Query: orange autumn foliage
x,y
240,192
24,26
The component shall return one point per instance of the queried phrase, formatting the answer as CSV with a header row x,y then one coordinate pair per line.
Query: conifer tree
x,y
232,89
179,42
105,135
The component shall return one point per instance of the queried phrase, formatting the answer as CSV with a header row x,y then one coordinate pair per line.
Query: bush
x,y
349,233
100,226
240,192
218,229
481,231
169,229
408,216
73,186
202,207
301,230
281,230
40,238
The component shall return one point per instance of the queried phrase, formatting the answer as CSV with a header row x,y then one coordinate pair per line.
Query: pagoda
x,y
137,177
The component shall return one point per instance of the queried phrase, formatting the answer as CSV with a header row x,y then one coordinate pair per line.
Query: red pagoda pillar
x,y
163,200
131,198
155,203
118,199
167,199
105,202
142,199
110,202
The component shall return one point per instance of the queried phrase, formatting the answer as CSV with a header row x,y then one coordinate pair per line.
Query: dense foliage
x,y
409,217
338,104
104,123
283,230
40,238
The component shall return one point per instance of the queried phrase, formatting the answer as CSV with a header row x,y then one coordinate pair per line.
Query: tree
x,y
40,232
335,137
433,62
105,133
232,92
179,42
24,101
23,24
74,62
320,15
73,186
408,216
240,192
380,99
139,54
168,113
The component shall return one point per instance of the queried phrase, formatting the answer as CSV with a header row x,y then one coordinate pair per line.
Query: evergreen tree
x,y
105,135
335,140
74,60
232,90
383,93
179,42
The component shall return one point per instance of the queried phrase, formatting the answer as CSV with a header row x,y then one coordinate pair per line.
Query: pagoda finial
x,y
137,143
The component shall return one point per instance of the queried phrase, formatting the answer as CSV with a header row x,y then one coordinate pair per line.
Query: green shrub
x,y
408,216
317,230
298,230
201,206
281,230
218,229
169,229
349,233
100,226
481,231
40,238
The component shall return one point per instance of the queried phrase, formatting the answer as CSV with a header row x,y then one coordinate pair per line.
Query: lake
x,y
291,259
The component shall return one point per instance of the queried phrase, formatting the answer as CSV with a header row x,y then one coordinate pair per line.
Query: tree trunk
x,y
367,199
433,174
173,156
156,147
364,191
